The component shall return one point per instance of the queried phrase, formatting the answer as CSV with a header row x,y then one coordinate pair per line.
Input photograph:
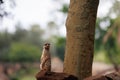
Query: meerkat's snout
x,y
47,46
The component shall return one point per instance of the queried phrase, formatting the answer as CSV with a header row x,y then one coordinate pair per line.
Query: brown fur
x,y
46,58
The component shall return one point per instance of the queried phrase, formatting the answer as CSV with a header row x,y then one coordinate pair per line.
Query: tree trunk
x,y
80,25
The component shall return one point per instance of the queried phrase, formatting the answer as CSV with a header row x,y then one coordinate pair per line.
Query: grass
x,y
100,57
27,77
25,74
30,75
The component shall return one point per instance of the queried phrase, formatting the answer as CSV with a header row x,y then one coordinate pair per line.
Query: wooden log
x,y
96,78
113,76
43,75
110,76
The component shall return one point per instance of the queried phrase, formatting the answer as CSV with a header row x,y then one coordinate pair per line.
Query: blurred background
x,y
25,25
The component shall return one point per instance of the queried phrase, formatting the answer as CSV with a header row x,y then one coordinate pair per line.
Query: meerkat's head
x,y
46,46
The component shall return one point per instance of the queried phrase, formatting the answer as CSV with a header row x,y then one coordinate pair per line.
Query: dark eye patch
x,y
45,44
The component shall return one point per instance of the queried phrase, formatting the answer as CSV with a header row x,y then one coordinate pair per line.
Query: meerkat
x,y
46,58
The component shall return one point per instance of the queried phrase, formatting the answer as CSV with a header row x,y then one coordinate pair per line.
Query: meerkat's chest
x,y
45,53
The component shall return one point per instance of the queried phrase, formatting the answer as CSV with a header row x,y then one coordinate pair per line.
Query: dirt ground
x,y
98,67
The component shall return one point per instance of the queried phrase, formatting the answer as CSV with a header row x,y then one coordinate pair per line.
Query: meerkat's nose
x,y
47,44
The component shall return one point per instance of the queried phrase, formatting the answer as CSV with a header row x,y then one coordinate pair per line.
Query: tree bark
x,y
43,75
80,25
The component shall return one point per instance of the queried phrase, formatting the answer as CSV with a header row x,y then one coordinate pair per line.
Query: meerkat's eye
x,y
45,44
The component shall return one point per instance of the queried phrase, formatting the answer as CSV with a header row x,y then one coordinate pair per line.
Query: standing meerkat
x,y
46,58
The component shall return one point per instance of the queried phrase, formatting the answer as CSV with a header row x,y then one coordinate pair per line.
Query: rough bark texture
x,y
42,75
111,76
80,25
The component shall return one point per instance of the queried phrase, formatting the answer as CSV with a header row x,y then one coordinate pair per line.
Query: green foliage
x,y
60,47
25,73
64,8
100,56
110,48
5,42
5,39
22,52
28,78
35,35
99,34
23,45
32,36
19,34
